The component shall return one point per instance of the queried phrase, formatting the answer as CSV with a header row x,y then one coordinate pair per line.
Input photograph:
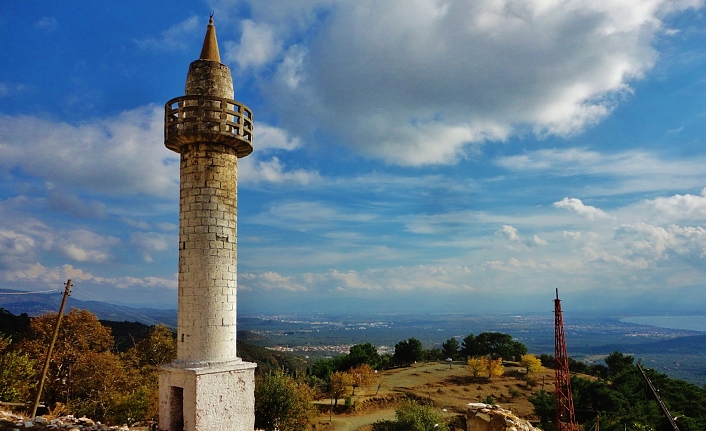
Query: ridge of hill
x,y
34,304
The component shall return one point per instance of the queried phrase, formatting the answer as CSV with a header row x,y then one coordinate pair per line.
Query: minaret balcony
x,y
196,118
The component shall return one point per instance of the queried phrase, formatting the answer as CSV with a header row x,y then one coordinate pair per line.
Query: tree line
x,y
617,393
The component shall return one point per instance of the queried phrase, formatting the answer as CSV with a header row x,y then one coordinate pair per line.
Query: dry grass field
x,y
447,387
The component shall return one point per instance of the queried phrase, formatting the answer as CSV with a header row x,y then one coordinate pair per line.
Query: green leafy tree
x,y
281,403
469,347
17,373
323,368
544,407
364,353
450,348
408,351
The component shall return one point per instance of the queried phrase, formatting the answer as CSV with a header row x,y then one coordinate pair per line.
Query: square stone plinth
x,y
216,397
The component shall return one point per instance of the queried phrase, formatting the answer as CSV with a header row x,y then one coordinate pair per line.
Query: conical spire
x,y
210,44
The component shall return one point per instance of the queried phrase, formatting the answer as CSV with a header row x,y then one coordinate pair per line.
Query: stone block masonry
x,y
207,387
206,330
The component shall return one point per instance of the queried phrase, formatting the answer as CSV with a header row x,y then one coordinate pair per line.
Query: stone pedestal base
x,y
217,397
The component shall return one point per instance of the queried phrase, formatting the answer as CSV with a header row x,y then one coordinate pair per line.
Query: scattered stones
x,y
63,423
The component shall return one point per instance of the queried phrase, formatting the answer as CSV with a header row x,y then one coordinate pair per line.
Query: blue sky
x,y
416,156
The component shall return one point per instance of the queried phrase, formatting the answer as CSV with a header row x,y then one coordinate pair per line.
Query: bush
x,y
412,416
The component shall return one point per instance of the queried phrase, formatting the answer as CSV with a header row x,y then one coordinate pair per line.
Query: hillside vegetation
x,y
108,371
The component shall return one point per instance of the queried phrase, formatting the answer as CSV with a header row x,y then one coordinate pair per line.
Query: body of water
x,y
692,323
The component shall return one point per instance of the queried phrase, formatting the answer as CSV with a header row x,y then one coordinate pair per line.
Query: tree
x,y
618,363
158,348
412,416
282,403
80,332
531,363
477,365
362,375
145,357
323,368
340,385
450,348
544,407
17,373
364,354
408,351
469,347
495,367
497,344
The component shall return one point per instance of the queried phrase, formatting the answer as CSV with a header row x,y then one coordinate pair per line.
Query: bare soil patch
x,y
448,387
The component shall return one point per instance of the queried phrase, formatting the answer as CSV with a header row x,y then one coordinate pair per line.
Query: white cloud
x,y
269,280
175,38
83,245
256,48
273,171
421,82
38,273
147,243
124,154
624,172
575,205
273,138
509,232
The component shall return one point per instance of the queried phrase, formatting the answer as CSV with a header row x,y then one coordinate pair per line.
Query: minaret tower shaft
x,y
208,387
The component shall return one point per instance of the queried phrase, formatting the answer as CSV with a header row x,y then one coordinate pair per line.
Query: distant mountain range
x,y
34,304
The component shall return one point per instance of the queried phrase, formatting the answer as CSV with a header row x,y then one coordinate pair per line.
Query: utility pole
x,y
67,292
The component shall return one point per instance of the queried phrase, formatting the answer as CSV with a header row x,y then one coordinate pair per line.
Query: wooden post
x,y
67,292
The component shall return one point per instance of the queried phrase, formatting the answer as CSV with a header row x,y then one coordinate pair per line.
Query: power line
x,y
29,293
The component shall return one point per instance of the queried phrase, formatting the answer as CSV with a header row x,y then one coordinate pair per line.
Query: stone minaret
x,y
208,387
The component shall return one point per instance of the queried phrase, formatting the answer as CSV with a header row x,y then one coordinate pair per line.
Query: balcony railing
x,y
188,119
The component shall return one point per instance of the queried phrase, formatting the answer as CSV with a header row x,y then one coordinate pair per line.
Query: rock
x,y
28,424
483,417
85,421
38,420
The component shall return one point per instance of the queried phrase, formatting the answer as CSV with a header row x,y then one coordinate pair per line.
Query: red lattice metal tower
x,y
565,419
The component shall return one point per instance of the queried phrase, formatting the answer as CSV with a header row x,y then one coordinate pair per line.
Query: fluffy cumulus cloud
x,y
422,82
257,46
118,155
587,211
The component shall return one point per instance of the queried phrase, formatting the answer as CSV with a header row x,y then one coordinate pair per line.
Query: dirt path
x,y
353,422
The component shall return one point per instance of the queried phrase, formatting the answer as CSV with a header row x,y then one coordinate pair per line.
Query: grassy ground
x,y
448,387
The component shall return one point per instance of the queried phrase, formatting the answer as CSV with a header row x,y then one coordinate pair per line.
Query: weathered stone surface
x,y
485,417
207,387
